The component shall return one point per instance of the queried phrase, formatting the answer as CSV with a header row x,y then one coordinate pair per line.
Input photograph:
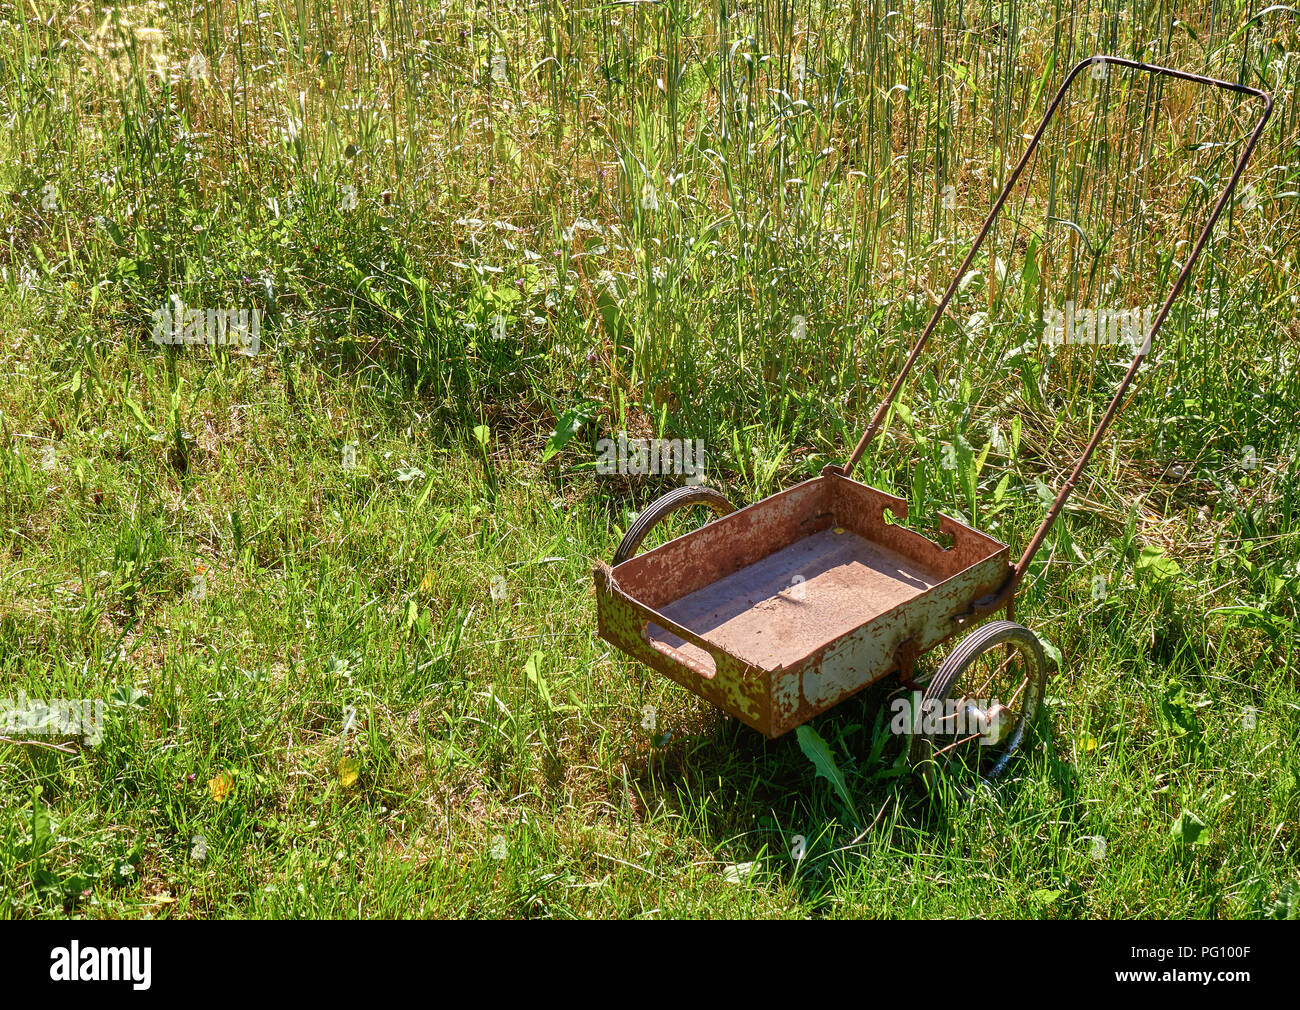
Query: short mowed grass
x,y
376,689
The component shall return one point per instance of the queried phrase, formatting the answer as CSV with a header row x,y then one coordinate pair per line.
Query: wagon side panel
x,y
726,545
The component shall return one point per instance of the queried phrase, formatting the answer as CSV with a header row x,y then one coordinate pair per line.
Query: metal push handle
x,y
878,418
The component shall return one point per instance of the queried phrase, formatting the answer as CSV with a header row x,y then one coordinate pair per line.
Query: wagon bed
x,y
781,609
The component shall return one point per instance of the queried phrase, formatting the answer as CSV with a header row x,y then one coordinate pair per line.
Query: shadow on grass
x,y
749,797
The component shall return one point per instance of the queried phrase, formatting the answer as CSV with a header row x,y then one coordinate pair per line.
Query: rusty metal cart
x,y
777,611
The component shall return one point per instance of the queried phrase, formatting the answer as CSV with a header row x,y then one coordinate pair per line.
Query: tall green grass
x,y
462,220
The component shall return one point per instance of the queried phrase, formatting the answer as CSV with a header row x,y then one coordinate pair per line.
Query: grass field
x,y
336,596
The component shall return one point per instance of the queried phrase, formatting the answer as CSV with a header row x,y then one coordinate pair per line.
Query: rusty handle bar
x,y
877,419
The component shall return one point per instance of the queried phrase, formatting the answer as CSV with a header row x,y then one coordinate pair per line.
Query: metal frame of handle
x,y
1002,598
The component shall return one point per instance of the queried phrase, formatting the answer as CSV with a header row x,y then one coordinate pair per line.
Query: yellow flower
x,y
221,786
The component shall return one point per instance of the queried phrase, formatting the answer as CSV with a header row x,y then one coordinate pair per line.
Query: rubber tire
x,y
682,497
970,648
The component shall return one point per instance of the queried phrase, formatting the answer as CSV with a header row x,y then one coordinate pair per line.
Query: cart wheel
x,y
981,702
682,497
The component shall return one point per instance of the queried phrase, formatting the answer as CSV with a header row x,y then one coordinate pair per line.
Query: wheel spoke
x,y
957,743
1023,684
1012,653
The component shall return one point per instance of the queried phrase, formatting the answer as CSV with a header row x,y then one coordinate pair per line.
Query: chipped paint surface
x,y
714,610
724,681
